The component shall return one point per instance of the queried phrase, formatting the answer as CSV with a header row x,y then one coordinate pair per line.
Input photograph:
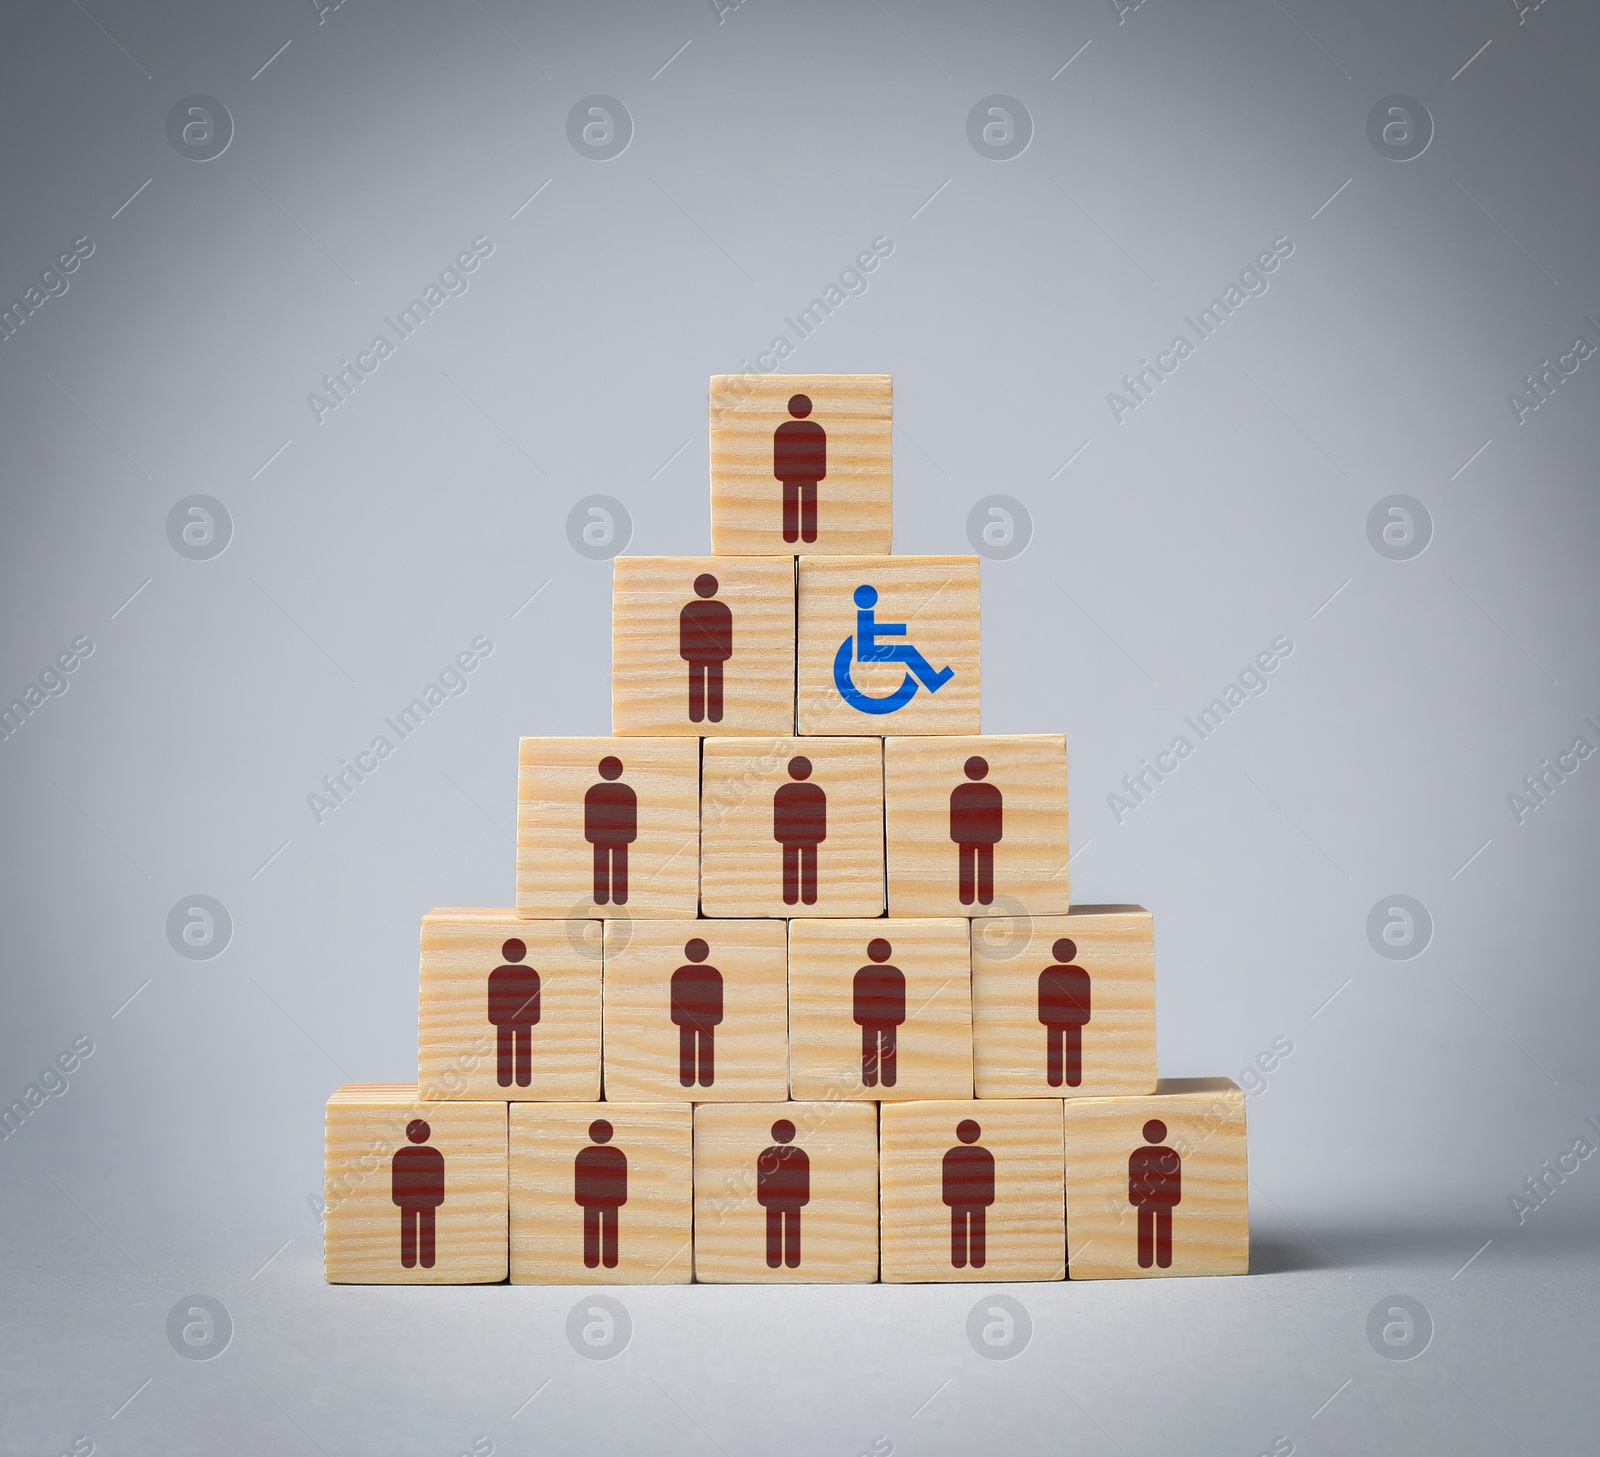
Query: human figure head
x,y
610,767
866,596
977,767
1154,1131
782,1131
600,1131
1064,949
879,949
799,767
417,1131
967,1130
705,585
799,406
696,949
513,950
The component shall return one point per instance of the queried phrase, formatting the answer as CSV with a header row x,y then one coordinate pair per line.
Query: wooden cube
x,y
857,676
601,1194
1064,1006
415,1192
801,462
785,1192
880,1009
1158,1184
702,645
608,827
976,825
697,1013
972,1191
509,1009
764,805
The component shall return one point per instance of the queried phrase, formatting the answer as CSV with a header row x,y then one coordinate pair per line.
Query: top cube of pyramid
x,y
801,464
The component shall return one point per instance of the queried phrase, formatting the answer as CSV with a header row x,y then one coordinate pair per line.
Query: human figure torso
x,y
878,996
514,994
610,813
695,996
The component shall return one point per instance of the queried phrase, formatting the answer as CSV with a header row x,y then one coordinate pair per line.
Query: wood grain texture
x,y
750,1045
1025,1227
365,1127
655,1226
741,865
933,1051
555,864
1029,862
839,1224
649,675
1205,1125
854,500
935,597
457,1045
1115,946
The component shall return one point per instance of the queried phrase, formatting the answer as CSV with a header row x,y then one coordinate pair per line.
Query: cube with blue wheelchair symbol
x,y
888,645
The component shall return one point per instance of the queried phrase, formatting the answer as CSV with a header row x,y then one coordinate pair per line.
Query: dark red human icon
x,y
976,818
695,1000
610,824
513,1011
878,1007
600,1188
416,1184
1155,1188
799,460
969,1191
705,643
1064,1011
799,824
783,1189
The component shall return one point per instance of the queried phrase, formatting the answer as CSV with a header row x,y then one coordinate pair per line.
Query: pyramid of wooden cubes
x,y
794,988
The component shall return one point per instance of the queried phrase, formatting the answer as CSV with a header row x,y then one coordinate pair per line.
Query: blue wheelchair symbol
x,y
867,649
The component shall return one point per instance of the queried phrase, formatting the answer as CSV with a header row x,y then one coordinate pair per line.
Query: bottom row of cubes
x,y
810,1192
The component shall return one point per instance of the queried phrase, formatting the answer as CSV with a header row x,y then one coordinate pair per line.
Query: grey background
x,y
772,143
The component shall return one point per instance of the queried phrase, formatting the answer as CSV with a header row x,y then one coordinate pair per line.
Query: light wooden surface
x,y
365,1127
457,1045
936,597
933,1044
741,863
1205,1122
855,498
655,1228
1030,859
1116,947
750,1045
555,864
838,1227
650,677
1025,1226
